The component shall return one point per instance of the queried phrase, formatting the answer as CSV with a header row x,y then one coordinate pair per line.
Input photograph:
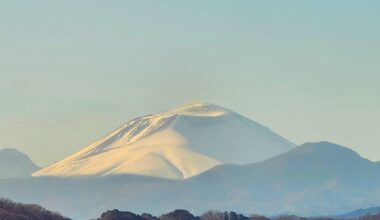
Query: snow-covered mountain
x,y
14,164
175,144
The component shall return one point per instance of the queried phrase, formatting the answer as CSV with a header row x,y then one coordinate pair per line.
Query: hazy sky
x,y
71,71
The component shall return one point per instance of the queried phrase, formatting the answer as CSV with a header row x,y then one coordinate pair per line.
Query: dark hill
x,y
16,211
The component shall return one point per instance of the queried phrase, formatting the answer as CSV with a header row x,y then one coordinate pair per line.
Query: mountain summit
x,y
175,144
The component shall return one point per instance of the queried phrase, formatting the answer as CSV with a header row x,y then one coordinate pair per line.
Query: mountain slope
x,y
175,144
14,164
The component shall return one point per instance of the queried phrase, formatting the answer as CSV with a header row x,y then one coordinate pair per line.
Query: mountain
x,y
14,164
313,179
360,213
176,144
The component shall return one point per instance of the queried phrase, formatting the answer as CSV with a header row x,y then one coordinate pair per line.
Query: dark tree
x,y
119,215
216,215
179,214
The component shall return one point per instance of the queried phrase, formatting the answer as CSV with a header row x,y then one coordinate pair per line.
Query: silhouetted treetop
x,y
179,214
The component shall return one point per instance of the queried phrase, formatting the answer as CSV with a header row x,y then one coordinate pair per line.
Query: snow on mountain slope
x,y
175,144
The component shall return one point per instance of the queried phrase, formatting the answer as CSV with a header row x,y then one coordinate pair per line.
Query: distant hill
x,y
360,213
16,211
311,180
14,164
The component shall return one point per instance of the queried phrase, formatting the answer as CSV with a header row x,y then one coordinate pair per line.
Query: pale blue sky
x,y
71,71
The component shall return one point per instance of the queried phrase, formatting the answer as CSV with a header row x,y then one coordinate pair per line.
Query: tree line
x,y
17,211
210,215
